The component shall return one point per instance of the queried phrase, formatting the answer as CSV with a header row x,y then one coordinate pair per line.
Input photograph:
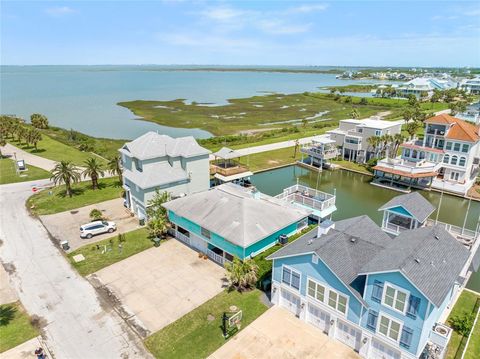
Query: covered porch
x,y
226,167
394,222
402,180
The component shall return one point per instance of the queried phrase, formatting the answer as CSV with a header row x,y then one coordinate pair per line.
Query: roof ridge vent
x,y
417,260
437,237
353,239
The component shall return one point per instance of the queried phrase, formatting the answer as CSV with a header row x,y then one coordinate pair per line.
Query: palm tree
x,y
354,114
3,142
295,149
65,172
397,140
34,136
115,168
21,134
242,275
93,169
39,121
411,128
158,226
373,142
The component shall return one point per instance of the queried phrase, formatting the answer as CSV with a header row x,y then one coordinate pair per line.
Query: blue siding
x,y
139,195
417,324
227,246
320,273
402,211
267,241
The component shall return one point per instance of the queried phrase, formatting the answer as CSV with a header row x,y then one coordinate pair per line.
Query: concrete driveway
x,y
278,334
160,285
66,225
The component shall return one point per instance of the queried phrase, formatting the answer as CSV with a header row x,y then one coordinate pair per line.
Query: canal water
x,y
356,196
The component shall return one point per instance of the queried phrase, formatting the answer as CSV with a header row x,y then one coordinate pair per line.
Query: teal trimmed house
x,y
232,221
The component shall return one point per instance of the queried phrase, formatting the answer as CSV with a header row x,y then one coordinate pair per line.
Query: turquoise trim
x,y
401,210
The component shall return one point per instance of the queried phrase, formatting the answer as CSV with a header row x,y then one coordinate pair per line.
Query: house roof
x,y
373,122
227,153
459,129
414,203
429,257
236,213
405,173
155,174
345,249
153,145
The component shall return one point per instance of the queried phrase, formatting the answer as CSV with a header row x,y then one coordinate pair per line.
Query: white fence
x,y
465,235
307,197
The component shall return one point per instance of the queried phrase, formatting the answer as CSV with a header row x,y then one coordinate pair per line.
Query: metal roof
x,y
226,153
153,145
240,215
414,203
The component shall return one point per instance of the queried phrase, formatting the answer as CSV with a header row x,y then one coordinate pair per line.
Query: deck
x,y
467,237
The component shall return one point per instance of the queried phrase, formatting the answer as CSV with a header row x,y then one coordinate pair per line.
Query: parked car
x,y
97,227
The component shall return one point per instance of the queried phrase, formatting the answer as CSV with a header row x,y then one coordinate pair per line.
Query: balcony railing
x,y
394,228
319,152
463,235
307,197
411,167
227,171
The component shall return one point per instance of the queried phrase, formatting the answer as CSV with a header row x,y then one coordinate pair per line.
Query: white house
x,y
420,85
352,134
178,166
471,85
447,158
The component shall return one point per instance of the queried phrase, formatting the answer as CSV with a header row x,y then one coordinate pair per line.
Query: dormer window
x,y
394,298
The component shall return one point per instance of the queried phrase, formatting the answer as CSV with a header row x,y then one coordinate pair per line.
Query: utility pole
x,y
440,203
466,214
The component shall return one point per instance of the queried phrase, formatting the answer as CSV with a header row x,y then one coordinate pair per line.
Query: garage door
x,y
382,351
290,301
348,335
318,317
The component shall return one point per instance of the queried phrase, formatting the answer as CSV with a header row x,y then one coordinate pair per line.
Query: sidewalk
x,y
29,158
24,350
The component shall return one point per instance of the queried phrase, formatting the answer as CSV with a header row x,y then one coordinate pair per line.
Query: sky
x,y
332,33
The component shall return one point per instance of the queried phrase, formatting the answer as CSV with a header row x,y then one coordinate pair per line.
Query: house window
x,y
337,301
406,152
465,148
454,160
456,147
138,164
314,259
372,320
394,298
414,154
291,278
413,306
316,291
406,337
389,328
462,161
378,132
377,291
206,233
302,224
448,146
446,159
360,130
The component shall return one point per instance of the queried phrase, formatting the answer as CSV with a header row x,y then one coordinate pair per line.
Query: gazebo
x,y
227,168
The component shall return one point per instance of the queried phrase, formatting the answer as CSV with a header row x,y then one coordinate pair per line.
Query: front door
x,y
348,335
318,317
290,301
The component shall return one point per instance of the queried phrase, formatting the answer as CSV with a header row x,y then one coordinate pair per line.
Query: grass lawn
x,y
15,326
135,242
265,160
352,166
57,201
473,349
465,304
55,150
8,173
194,336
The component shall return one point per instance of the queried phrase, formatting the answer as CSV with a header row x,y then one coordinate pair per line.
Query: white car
x,y
97,227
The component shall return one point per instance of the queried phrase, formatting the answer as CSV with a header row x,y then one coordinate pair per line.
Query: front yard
x,y
107,252
55,200
15,326
8,173
465,304
198,333
270,159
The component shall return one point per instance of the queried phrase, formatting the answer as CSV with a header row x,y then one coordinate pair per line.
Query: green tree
x,y
242,275
463,323
411,128
157,226
34,136
155,205
21,134
95,214
412,100
304,123
39,121
65,172
295,148
115,168
94,170
3,142
397,141
363,101
348,99
354,114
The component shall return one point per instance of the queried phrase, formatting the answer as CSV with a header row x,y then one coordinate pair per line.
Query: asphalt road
x,y
76,322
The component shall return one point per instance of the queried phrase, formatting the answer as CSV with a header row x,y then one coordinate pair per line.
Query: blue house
x,y
232,221
379,294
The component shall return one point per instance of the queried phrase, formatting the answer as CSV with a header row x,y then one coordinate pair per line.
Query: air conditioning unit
x,y
283,239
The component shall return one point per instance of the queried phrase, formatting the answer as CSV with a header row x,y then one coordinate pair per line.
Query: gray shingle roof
x,y
155,174
429,257
227,153
414,203
236,214
345,249
153,145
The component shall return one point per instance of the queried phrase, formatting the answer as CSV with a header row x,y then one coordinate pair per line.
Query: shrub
x,y
463,323
372,162
95,215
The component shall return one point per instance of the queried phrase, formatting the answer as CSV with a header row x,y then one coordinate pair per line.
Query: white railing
x,y
409,167
217,257
393,227
183,238
307,197
463,235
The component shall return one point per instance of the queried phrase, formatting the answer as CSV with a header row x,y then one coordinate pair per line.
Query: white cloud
x,y
278,27
444,17
308,8
223,13
59,11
